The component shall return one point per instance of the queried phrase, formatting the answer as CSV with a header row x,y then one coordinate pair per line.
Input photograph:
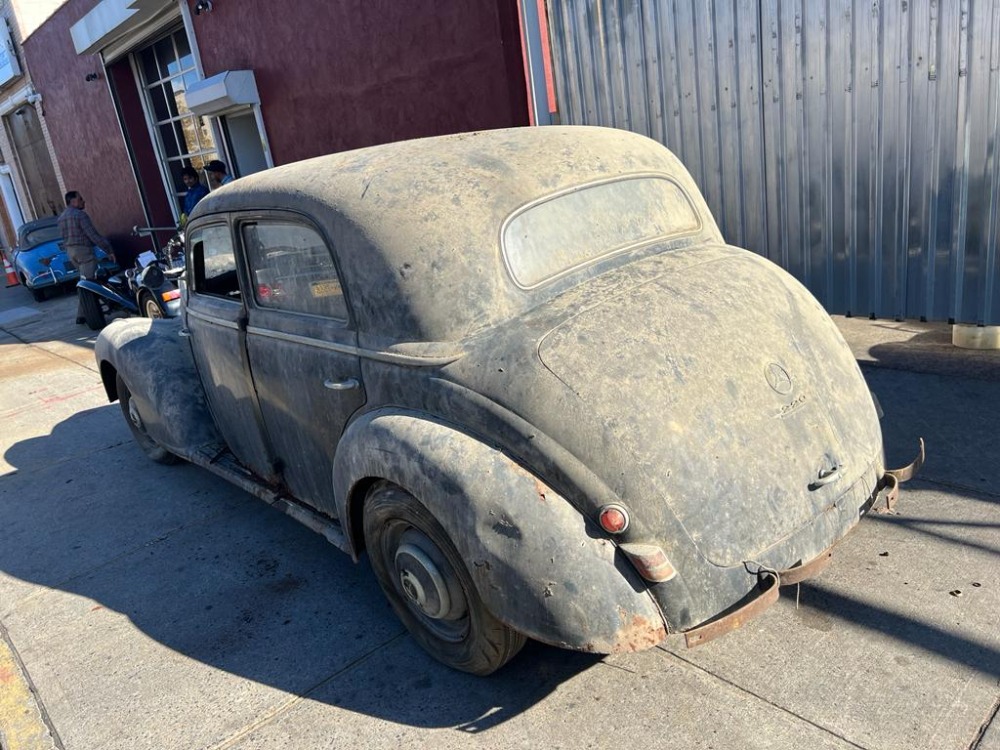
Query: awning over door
x,y
111,20
222,92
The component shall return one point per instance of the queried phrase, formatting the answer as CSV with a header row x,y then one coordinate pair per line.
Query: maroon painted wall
x,y
147,165
81,119
339,75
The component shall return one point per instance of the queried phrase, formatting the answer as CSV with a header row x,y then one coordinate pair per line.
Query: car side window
x,y
292,270
214,261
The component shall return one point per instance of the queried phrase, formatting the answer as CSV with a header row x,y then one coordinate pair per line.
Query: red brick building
x,y
134,90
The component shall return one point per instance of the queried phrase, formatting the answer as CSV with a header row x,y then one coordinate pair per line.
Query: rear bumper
x,y
766,592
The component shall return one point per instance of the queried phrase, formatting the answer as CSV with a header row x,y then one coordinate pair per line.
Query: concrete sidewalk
x,y
158,607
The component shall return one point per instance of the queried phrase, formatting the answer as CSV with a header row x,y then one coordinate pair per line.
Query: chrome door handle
x,y
341,385
184,333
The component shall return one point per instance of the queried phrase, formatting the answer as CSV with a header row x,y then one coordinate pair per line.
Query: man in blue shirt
x,y
195,192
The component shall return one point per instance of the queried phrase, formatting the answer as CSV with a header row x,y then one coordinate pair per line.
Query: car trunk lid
x,y
731,389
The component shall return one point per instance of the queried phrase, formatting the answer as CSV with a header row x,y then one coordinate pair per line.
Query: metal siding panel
x,y
854,142
948,185
708,104
839,154
974,272
728,122
991,298
751,127
960,204
815,126
775,196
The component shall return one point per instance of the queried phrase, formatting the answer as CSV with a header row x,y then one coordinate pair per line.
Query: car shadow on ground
x,y
218,577
215,575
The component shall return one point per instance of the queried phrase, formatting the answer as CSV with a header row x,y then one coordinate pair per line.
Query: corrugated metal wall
x,y
851,141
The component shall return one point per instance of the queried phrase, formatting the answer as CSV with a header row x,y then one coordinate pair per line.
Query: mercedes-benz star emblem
x,y
779,380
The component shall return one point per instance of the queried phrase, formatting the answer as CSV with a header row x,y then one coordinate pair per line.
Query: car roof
x,y
31,226
416,224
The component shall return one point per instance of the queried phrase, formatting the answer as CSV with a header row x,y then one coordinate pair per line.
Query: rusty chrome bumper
x,y
770,581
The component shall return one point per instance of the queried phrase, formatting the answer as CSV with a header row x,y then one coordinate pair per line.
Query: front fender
x,y
113,297
536,562
158,366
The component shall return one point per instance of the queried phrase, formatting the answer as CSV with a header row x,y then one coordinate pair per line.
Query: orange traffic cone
x,y
11,276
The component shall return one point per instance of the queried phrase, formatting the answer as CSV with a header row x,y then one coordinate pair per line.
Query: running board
x,y
224,464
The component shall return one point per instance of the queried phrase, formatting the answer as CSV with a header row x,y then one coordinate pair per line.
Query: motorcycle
x,y
150,289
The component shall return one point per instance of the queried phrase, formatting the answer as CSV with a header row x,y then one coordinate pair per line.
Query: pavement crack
x,y
977,741
286,706
761,698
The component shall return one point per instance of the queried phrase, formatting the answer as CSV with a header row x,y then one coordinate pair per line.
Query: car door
x,y
215,316
301,349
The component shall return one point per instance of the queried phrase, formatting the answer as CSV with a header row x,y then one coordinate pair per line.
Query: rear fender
x,y
157,365
536,562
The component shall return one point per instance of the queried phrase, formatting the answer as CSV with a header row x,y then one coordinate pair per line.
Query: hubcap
x,y
426,579
133,414
153,310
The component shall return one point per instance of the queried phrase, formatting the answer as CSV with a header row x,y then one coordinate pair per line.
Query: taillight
x,y
650,561
613,519
172,294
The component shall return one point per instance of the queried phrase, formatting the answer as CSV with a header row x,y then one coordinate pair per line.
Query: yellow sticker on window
x,y
325,288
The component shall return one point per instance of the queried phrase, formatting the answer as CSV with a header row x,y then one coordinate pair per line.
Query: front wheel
x,y
92,311
429,587
150,447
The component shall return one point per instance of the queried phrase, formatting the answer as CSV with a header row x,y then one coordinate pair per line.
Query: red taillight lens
x,y
613,519
172,294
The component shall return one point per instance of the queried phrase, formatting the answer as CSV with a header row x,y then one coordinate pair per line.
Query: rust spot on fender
x,y
637,633
541,489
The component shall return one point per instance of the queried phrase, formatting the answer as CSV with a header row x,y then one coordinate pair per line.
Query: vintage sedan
x,y
522,369
41,262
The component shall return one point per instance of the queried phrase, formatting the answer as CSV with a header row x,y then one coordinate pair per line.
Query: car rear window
x,y
552,237
42,234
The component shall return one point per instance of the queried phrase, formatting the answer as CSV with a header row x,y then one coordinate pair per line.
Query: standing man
x,y
195,192
79,237
217,173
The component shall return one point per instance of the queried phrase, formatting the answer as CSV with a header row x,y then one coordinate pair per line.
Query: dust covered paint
x,y
524,327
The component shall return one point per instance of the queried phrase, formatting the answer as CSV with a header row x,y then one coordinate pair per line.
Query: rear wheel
x,y
429,587
150,447
149,307
92,311
38,294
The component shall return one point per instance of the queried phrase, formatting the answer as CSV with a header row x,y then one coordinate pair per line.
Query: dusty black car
x,y
522,370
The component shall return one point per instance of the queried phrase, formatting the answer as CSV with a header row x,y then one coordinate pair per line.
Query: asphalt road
x,y
144,606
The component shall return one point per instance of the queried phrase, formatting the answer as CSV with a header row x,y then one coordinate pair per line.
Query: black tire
x,y
148,306
38,294
443,612
92,311
150,447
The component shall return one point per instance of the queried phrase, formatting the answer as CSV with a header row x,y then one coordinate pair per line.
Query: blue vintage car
x,y
41,262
